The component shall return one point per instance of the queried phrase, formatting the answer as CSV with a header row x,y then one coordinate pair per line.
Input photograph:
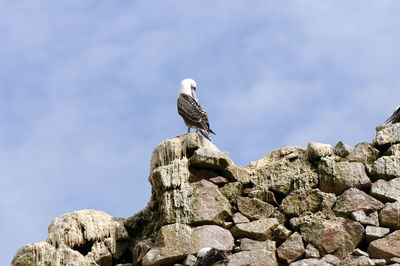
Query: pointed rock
x,y
353,200
291,249
342,150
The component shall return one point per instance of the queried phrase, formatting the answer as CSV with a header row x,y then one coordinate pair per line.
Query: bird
x,y
210,257
190,110
395,117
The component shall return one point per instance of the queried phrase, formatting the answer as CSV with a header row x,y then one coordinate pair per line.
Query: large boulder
x,y
385,248
291,249
387,135
389,216
175,241
254,208
353,200
338,236
386,190
386,167
307,200
337,176
261,229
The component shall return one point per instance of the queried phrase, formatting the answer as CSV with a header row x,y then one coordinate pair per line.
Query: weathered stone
x,y
386,167
250,244
362,218
283,175
241,174
317,150
393,150
387,134
254,208
267,196
174,241
386,190
374,232
81,227
312,200
306,218
338,236
358,260
291,249
364,153
353,200
258,257
390,215
282,232
207,204
259,230
335,261
379,262
342,150
43,253
359,252
231,191
239,218
336,177
190,260
310,262
311,251
210,159
289,153
141,249
385,248
395,260
218,180
100,254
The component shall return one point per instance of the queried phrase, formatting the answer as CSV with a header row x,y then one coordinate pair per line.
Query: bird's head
x,y
188,87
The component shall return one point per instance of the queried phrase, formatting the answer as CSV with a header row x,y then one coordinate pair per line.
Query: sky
x,y
88,89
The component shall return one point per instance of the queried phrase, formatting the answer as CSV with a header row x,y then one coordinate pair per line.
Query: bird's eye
x,y
193,88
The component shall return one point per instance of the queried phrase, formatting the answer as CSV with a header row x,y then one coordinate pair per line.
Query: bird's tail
x,y
205,134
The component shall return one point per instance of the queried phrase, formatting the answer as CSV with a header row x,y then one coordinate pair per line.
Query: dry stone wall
x,y
314,205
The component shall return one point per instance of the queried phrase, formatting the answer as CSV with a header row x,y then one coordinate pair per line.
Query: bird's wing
x,y
395,117
192,112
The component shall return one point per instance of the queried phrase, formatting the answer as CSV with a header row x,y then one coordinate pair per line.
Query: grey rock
x,y
342,150
374,232
386,167
353,200
387,134
261,229
311,251
385,248
393,150
310,262
317,150
390,215
386,190
291,249
362,218
258,257
239,218
250,244
336,176
335,261
254,208
364,153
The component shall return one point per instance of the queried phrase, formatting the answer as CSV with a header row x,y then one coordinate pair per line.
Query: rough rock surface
x,y
317,197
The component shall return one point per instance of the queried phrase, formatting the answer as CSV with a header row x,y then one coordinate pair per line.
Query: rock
x,y
310,262
359,252
190,260
390,215
393,150
287,153
207,204
258,257
231,191
250,244
353,200
386,191
379,262
311,251
174,241
283,175
364,153
317,150
243,175
254,208
291,249
374,232
385,248
83,227
342,150
210,159
100,254
395,260
332,260
387,134
386,167
338,236
362,218
336,177
239,218
303,200
141,249
218,180
43,253
259,230
281,232
267,196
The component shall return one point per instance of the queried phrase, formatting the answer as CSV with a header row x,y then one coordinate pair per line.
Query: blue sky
x,y
88,89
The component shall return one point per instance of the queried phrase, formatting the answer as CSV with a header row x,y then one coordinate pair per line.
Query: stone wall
x,y
314,205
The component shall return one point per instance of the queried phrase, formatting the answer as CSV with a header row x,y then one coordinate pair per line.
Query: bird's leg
x,y
188,130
